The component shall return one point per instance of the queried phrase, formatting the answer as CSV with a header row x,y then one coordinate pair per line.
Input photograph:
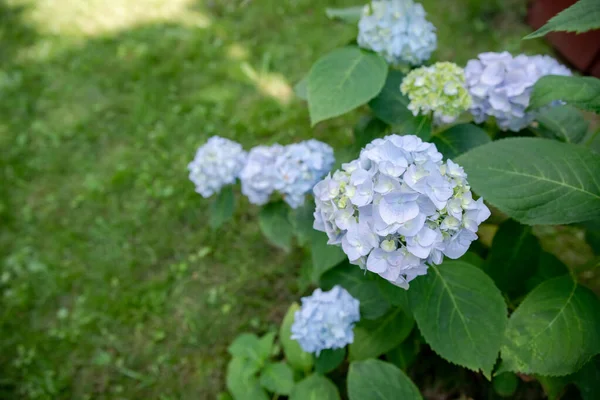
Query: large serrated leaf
x,y
315,387
379,380
329,359
222,208
514,252
350,15
460,313
580,91
277,378
242,382
275,225
295,356
459,139
343,80
324,256
373,338
372,302
554,331
536,181
580,17
565,123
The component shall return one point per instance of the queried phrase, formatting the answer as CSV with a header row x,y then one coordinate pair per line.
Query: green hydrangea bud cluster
x,y
438,89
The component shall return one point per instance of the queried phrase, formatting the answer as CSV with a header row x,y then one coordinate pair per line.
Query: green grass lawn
x,y
111,284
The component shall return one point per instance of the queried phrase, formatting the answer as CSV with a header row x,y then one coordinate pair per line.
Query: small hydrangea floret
x,y
399,207
216,164
398,31
501,86
437,90
291,170
326,320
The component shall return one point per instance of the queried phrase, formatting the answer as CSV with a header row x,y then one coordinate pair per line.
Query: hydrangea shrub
x,y
406,210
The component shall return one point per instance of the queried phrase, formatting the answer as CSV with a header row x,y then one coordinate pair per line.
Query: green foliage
x,y
554,331
564,123
378,380
459,139
536,181
515,252
315,387
222,208
250,347
374,338
581,92
302,220
548,267
580,17
343,80
404,354
393,294
390,106
372,302
295,356
505,384
324,256
349,14
368,129
275,225
277,378
587,379
329,359
461,314
242,382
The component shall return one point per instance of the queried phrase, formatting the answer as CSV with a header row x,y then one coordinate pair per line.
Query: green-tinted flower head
x,y
438,89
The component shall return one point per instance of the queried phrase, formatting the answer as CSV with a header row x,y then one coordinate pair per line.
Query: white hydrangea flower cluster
x,y
501,86
217,163
291,170
439,90
326,320
399,207
398,31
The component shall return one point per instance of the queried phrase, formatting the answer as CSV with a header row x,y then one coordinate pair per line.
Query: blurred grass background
x,y
112,286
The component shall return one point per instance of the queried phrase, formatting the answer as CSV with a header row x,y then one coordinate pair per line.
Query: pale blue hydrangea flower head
x,y
216,164
326,320
501,86
399,207
259,177
398,31
437,90
300,167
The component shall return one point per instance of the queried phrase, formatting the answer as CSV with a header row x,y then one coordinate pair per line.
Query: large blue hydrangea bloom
x,y
259,178
326,320
300,167
500,86
398,31
399,207
216,164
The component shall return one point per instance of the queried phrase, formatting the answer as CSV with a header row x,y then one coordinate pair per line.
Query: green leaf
x,y
553,386
548,267
275,225
248,346
222,208
378,380
295,356
368,129
588,380
343,80
581,92
564,123
301,88
372,302
241,382
391,106
373,338
348,14
329,359
554,331
404,354
505,384
324,256
277,378
514,252
315,387
302,220
473,259
536,181
266,344
459,139
460,313
393,294
580,17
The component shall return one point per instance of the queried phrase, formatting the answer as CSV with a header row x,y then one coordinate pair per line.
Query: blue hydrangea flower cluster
x,y
501,86
399,207
398,31
216,164
326,320
291,170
